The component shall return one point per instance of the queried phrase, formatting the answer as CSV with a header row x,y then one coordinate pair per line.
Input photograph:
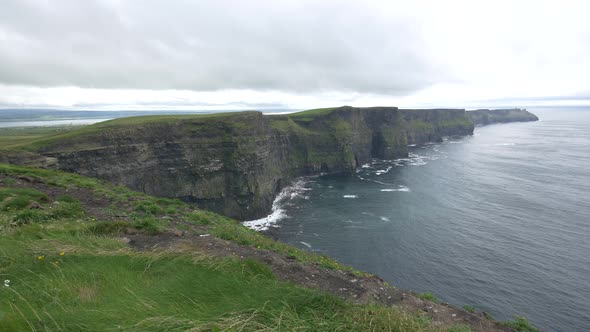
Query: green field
x,y
15,137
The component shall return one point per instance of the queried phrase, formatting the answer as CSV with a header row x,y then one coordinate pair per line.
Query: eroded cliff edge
x,y
236,163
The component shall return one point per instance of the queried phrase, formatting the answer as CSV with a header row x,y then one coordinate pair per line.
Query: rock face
x,y
235,164
486,116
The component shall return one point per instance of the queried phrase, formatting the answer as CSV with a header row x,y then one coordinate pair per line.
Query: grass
x,y
460,328
309,115
90,289
469,308
11,138
125,124
71,273
429,297
16,199
520,324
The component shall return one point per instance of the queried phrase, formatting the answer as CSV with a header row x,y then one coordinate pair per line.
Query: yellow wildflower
x,y
62,253
41,257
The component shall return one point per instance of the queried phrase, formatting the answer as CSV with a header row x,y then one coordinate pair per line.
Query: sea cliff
x,y
236,163
486,116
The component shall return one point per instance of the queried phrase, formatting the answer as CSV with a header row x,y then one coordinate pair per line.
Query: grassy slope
x,y
35,138
32,139
16,137
69,272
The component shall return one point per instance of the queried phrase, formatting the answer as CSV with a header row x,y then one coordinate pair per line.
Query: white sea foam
x,y
305,244
401,188
384,218
349,196
383,171
278,212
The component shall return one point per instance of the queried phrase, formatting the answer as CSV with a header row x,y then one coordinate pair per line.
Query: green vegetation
x,y
16,199
68,272
429,297
469,308
520,324
309,115
460,328
37,138
11,138
419,125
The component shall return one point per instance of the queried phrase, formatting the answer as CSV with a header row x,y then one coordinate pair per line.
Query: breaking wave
x,y
279,213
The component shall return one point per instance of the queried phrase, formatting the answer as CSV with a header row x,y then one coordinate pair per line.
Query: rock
x,y
34,205
131,231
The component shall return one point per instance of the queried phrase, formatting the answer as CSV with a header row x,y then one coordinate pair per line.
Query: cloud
x,y
212,45
296,53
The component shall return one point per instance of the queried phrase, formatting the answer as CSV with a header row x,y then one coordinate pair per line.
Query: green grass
x,y
11,138
469,308
429,297
460,328
309,115
419,125
35,139
17,199
520,324
63,276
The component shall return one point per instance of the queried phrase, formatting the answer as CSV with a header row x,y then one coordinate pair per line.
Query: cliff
x,y
486,116
236,163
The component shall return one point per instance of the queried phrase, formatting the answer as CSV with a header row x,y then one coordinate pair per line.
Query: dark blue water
x,y
500,220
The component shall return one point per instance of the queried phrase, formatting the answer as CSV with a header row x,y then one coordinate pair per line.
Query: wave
x,y
349,196
401,188
383,171
305,244
278,212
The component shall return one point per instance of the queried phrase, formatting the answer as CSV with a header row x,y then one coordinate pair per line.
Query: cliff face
x,y
486,116
235,164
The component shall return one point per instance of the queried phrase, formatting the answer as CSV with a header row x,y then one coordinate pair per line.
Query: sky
x,y
222,54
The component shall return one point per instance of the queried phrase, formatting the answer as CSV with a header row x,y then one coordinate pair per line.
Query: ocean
x,y
499,220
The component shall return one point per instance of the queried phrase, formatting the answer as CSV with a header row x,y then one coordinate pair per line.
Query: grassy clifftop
x,y
79,254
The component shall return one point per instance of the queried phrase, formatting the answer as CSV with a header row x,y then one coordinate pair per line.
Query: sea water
x,y
499,220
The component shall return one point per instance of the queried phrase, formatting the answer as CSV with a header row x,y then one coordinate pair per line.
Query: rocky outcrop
x,y
485,116
235,164
24,158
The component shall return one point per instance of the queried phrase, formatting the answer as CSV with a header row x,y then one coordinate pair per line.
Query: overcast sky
x,y
252,54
